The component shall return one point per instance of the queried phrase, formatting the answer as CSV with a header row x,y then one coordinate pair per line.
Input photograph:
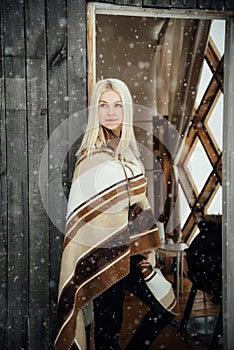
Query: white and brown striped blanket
x,y
98,243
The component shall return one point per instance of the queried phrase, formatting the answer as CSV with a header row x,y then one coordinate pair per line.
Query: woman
x,y
104,252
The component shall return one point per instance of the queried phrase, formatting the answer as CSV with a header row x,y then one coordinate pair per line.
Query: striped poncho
x,y
98,243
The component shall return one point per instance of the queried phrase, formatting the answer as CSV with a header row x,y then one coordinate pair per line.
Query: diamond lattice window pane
x,y
184,207
217,32
215,206
199,166
206,76
215,122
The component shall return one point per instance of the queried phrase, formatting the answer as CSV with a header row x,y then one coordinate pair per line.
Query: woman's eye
x,y
103,105
118,105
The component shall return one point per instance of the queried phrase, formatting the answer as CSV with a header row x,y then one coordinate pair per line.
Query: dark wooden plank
x,y
229,5
37,137
203,4
107,1
157,3
210,4
16,131
179,4
191,4
3,199
129,2
3,228
216,4
121,2
135,2
77,68
58,112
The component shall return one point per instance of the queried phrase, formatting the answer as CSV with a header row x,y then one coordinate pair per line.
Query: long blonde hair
x,y
94,136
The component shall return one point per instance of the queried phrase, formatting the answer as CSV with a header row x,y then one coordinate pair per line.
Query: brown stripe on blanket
x,y
94,213
115,273
95,203
80,214
88,267
66,337
114,189
145,242
119,238
101,257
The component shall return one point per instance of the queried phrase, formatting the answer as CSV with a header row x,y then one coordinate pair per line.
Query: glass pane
x,y
184,207
215,206
215,122
206,76
217,32
199,166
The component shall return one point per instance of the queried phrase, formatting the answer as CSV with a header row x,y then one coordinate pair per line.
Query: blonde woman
x,y
104,248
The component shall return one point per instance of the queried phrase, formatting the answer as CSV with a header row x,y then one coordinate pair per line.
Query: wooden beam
x,y
189,143
201,202
207,101
219,73
212,55
207,144
219,167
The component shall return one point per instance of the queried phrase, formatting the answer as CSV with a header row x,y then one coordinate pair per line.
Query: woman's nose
x,y
111,109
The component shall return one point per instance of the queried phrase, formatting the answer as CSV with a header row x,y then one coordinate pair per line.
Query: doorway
x,y
146,96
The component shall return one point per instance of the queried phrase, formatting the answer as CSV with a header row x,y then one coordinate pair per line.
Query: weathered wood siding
x,y
43,81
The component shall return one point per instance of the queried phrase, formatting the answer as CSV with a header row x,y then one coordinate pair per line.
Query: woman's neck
x,y
112,133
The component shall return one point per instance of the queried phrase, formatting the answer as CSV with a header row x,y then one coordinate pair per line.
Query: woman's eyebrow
x,y
108,102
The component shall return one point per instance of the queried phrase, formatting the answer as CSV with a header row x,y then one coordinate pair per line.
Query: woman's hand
x,y
149,259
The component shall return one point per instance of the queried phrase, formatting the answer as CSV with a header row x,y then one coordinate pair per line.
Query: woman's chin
x,y
112,126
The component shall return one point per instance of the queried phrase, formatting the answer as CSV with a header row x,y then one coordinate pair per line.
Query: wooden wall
x,y
43,81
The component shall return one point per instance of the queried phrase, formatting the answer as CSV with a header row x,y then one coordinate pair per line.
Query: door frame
x,y
94,9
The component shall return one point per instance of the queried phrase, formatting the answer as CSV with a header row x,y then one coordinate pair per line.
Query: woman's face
x,y
110,110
